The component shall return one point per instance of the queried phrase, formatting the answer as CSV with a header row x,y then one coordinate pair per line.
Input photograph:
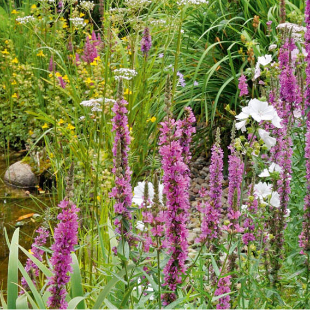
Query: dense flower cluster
x,y
192,2
31,268
122,192
25,20
176,184
87,5
78,22
223,288
123,73
307,47
65,236
91,48
146,41
243,86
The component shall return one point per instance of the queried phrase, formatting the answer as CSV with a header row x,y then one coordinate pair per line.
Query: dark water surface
x,y
15,203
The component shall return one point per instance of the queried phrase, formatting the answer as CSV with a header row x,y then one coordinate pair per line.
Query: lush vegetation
x,y
112,101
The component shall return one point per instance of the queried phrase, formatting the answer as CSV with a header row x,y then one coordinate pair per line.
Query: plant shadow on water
x,y
17,209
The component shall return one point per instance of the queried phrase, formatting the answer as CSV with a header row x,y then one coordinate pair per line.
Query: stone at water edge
x,y
20,175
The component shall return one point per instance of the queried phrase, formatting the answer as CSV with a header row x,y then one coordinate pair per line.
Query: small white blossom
x,y
140,225
78,22
244,208
87,5
272,47
137,3
126,74
262,190
275,199
158,22
287,214
192,2
25,20
265,136
297,113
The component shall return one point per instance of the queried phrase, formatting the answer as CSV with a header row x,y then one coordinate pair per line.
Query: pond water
x,y
17,209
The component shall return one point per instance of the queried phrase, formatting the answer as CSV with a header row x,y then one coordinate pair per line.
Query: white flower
x,y
257,71
262,190
288,212
264,60
244,208
260,111
140,225
137,3
272,168
25,20
265,136
297,113
126,74
275,199
264,174
87,5
139,193
272,47
192,2
78,22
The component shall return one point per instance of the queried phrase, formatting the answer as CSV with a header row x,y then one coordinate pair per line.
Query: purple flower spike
x,y
146,41
243,86
65,236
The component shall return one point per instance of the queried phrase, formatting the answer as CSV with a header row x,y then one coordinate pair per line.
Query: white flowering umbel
x,y
126,74
192,2
295,31
25,20
78,22
137,3
94,103
87,5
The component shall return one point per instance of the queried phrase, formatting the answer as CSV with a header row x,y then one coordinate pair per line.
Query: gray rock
x,y
20,175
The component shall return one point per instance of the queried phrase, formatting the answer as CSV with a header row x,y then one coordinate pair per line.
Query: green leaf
x,y
76,282
13,271
109,304
104,293
215,298
3,303
175,303
32,287
216,268
76,301
22,302
39,264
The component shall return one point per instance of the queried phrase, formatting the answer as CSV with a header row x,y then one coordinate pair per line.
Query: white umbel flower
x,y
25,20
78,22
123,73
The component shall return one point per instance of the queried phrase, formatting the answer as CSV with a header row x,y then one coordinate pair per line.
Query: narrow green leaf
x,y
13,271
109,304
215,267
76,282
104,293
76,301
175,303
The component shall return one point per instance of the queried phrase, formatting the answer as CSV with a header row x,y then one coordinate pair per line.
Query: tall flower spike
x,y
282,11
304,238
175,180
243,86
65,236
122,191
146,41
307,46
31,268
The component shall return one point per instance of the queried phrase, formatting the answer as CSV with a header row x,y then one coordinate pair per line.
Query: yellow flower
x,y
57,74
30,252
71,127
127,92
152,119
5,52
15,61
129,52
14,95
41,54
61,121
94,63
62,19
33,6
13,83
50,75
51,155
65,25
6,41
65,77
86,21
82,14
4,87
14,12
44,126
89,80
30,132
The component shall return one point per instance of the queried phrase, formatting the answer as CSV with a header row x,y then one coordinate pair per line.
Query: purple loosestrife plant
x,y
212,208
122,191
282,11
223,287
146,41
52,65
243,86
65,236
304,238
91,48
307,47
31,268
175,180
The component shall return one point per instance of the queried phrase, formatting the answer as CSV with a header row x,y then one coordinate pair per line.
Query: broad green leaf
x,y
13,271
22,302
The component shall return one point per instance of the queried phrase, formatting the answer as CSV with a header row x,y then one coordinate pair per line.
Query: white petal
x,y
275,199
241,125
276,121
264,174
